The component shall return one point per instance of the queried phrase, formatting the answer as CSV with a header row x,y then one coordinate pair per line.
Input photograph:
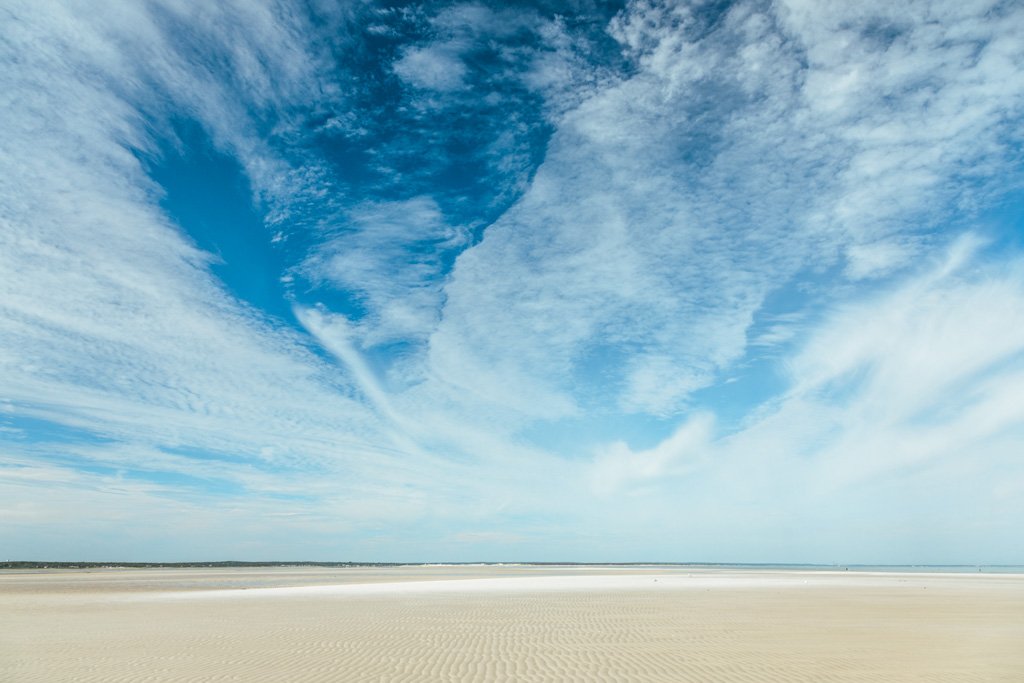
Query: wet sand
x,y
509,624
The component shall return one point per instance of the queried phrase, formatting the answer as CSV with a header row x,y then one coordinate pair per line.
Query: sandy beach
x,y
509,624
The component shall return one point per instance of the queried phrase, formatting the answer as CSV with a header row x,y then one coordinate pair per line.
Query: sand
x,y
509,624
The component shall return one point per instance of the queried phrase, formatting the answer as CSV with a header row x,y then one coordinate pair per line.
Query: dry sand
x,y
509,624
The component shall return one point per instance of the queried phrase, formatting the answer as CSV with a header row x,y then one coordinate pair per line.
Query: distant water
x,y
908,568
946,568
904,568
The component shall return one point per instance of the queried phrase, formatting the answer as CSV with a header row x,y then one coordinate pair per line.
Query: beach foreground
x,y
509,624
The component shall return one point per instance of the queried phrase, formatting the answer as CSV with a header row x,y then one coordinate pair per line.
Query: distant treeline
x,y
31,564
28,564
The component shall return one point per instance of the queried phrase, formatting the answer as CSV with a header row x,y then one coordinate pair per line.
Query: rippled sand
x,y
509,624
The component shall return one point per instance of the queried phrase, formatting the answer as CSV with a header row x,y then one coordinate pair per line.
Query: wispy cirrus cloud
x,y
672,203
530,256
899,413
393,255
112,322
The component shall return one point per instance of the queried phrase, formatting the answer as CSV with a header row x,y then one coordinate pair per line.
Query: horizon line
x,y
40,564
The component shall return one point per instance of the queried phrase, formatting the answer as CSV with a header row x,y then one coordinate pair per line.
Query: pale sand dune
x,y
509,624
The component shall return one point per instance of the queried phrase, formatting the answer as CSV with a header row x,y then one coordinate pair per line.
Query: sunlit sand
x,y
509,624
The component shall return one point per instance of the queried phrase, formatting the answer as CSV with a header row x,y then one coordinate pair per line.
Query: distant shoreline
x,y
237,564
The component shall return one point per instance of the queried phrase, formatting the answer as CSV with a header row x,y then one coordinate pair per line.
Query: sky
x,y
512,281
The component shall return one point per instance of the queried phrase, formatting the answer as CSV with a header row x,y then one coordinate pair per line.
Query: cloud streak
x,y
573,282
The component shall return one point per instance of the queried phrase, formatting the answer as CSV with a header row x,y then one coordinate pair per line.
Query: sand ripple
x,y
678,628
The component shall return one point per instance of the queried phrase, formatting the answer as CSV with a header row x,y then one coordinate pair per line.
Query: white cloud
x,y
432,67
111,322
931,370
879,258
671,204
391,253
113,325
900,430
617,465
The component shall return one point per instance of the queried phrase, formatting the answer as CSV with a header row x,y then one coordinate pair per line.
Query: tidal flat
x,y
509,623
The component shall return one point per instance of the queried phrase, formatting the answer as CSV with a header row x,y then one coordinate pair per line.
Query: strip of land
x,y
508,623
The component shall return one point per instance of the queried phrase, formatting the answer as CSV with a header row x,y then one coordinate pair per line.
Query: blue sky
x,y
589,281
